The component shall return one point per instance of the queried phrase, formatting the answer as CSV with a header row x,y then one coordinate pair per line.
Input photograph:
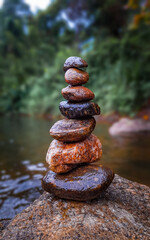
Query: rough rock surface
x,y
72,130
120,214
83,183
77,93
76,62
3,224
79,110
63,168
126,125
87,151
75,76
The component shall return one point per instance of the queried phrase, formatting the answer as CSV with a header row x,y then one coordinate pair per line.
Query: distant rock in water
x,y
125,125
121,213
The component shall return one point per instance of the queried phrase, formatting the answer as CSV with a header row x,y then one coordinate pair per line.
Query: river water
x,y
23,146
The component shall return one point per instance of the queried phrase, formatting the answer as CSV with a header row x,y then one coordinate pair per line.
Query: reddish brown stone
x,y
81,184
74,62
59,153
77,93
74,76
72,130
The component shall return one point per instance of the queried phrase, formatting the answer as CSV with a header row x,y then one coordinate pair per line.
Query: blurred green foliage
x,y
33,48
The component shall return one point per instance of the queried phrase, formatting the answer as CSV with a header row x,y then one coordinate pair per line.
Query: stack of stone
x,y
74,148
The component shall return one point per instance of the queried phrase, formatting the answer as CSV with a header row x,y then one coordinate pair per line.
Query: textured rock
x,y
126,125
79,110
72,130
77,93
74,62
75,76
83,183
120,214
4,223
63,168
87,151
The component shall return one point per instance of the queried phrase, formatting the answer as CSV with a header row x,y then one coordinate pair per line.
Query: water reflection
x,y
17,191
23,145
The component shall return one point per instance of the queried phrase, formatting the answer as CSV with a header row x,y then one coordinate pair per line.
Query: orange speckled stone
x,y
77,93
59,153
63,168
74,76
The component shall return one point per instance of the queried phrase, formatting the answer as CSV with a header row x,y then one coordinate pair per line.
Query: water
x,y
23,145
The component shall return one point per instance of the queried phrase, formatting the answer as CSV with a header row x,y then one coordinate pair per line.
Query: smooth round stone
x,y
79,110
87,151
77,93
81,184
71,130
75,76
74,62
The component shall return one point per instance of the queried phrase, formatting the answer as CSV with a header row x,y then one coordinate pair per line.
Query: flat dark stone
x,y
72,130
79,110
83,183
74,62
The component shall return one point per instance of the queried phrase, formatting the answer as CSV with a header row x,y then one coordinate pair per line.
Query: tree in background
x,y
33,49
141,10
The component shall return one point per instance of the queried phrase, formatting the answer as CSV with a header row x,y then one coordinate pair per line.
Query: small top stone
x,y
74,62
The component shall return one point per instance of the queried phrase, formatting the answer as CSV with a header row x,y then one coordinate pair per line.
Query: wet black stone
x,y
79,110
74,62
84,183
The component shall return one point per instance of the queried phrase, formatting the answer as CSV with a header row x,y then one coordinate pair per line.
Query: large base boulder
x,y
120,213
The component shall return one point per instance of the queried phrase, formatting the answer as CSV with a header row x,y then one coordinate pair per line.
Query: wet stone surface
x,y
59,153
79,110
63,168
82,184
77,93
74,62
121,212
72,130
75,76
